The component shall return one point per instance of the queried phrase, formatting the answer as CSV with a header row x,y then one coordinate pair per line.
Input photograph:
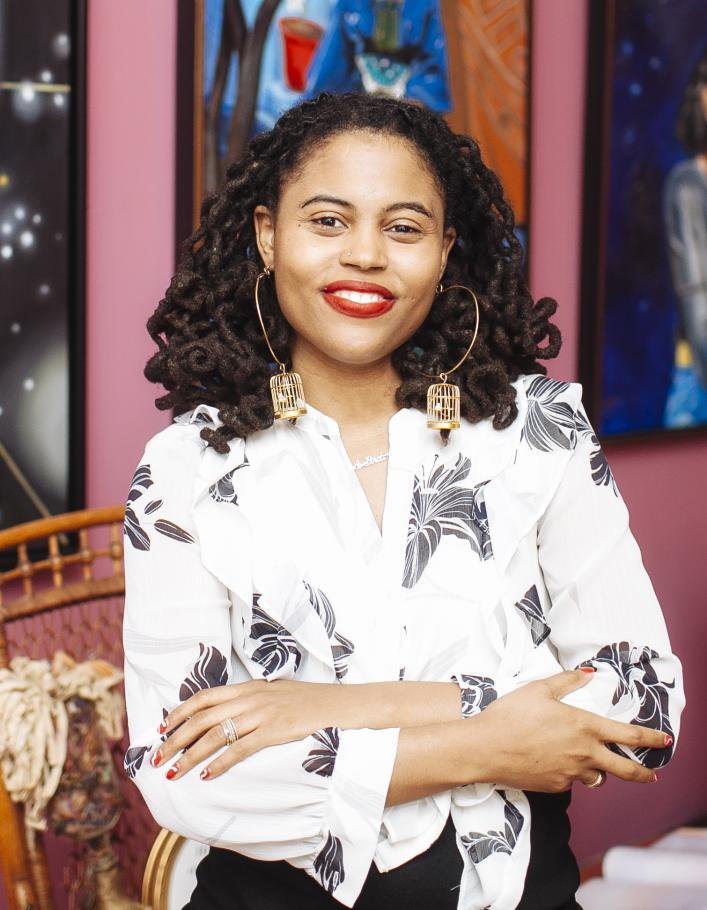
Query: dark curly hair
x,y
211,348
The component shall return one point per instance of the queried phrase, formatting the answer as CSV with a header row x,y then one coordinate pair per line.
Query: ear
x,y
450,235
264,225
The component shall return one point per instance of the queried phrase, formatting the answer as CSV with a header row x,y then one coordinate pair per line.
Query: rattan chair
x,y
63,590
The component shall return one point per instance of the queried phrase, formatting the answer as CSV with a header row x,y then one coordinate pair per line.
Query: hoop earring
x,y
285,386
443,406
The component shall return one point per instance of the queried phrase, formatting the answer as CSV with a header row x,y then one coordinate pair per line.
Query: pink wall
x,y
131,204
663,484
131,116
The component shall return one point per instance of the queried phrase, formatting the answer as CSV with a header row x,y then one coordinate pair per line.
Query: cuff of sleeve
x,y
477,692
359,787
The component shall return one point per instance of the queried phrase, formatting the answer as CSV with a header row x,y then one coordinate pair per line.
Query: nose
x,y
365,248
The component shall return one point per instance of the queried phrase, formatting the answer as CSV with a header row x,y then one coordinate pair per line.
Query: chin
x,y
358,356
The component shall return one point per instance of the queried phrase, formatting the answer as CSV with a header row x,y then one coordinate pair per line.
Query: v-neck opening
x,y
327,426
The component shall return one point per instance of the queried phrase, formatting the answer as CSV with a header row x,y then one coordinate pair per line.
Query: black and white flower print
x,y
440,505
321,760
210,669
322,607
531,608
329,864
477,693
223,490
637,679
549,423
601,472
133,760
341,648
276,646
481,845
134,531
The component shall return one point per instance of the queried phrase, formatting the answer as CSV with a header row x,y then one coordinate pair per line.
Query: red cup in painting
x,y
300,38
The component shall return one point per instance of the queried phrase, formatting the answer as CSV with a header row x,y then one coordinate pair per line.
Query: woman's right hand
x,y
530,740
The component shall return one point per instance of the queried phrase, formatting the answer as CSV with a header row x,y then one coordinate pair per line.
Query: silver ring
x,y
229,731
597,782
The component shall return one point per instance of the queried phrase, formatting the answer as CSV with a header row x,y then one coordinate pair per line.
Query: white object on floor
x,y
600,894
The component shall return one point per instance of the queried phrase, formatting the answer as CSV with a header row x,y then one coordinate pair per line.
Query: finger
x,y
631,735
206,746
204,698
236,753
591,777
625,768
197,726
562,684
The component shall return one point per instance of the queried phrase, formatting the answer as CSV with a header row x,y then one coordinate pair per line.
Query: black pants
x,y
229,881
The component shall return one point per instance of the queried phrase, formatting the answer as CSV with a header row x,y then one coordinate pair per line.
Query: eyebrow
x,y
414,206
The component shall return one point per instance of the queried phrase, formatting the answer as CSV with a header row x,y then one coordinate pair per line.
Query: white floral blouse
x,y
505,556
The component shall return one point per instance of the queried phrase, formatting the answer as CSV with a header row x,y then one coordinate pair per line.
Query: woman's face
x,y
357,247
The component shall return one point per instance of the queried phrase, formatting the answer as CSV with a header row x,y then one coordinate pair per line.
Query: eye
x,y
408,229
326,218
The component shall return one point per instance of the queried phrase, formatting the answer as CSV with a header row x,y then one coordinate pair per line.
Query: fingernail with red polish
x,y
654,779
668,740
172,771
162,727
588,669
156,758
205,774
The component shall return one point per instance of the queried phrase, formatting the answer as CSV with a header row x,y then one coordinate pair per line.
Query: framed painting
x,y
242,62
643,354
42,84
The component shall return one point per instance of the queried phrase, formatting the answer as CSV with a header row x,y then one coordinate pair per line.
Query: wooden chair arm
x,y
14,858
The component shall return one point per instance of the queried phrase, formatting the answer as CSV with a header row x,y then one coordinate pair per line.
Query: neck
x,y
360,398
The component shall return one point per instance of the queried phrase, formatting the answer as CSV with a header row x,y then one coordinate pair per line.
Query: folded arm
x,y
317,801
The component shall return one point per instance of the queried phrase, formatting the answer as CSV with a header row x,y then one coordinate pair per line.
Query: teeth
x,y
359,296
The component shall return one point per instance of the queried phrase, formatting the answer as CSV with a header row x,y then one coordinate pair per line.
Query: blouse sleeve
x,y
603,609
317,802
600,609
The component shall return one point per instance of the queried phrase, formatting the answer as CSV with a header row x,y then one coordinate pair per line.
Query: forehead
x,y
364,168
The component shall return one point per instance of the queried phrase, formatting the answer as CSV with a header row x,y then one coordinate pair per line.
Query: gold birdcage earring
x,y
443,407
285,386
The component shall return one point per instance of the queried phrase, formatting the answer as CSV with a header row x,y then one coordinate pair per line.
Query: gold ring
x,y
597,782
229,731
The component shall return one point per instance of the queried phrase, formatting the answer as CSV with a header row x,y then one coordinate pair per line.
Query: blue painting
x,y
654,336
394,47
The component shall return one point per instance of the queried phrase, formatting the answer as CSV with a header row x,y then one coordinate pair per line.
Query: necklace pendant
x,y
369,460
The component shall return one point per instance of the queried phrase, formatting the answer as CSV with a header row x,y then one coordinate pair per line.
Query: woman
x,y
385,625
685,216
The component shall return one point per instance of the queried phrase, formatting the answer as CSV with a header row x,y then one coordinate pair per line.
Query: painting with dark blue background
x,y
649,380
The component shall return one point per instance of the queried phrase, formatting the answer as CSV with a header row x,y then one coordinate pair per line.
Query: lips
x,y
365,300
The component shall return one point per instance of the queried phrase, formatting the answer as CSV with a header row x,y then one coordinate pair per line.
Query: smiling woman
x,y
366,659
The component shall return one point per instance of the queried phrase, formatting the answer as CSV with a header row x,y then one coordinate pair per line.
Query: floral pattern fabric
x,y
504,557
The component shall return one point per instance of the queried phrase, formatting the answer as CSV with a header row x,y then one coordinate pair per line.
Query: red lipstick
x,y
381,299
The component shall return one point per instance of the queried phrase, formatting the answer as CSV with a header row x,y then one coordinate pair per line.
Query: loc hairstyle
x,y
691,123
210,345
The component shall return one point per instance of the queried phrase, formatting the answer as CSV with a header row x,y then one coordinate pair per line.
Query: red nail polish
x,y
668,740
205,774
172,771
162,727
588,669
156,758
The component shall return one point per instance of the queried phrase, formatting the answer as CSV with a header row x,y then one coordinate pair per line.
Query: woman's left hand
x,y
264,714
